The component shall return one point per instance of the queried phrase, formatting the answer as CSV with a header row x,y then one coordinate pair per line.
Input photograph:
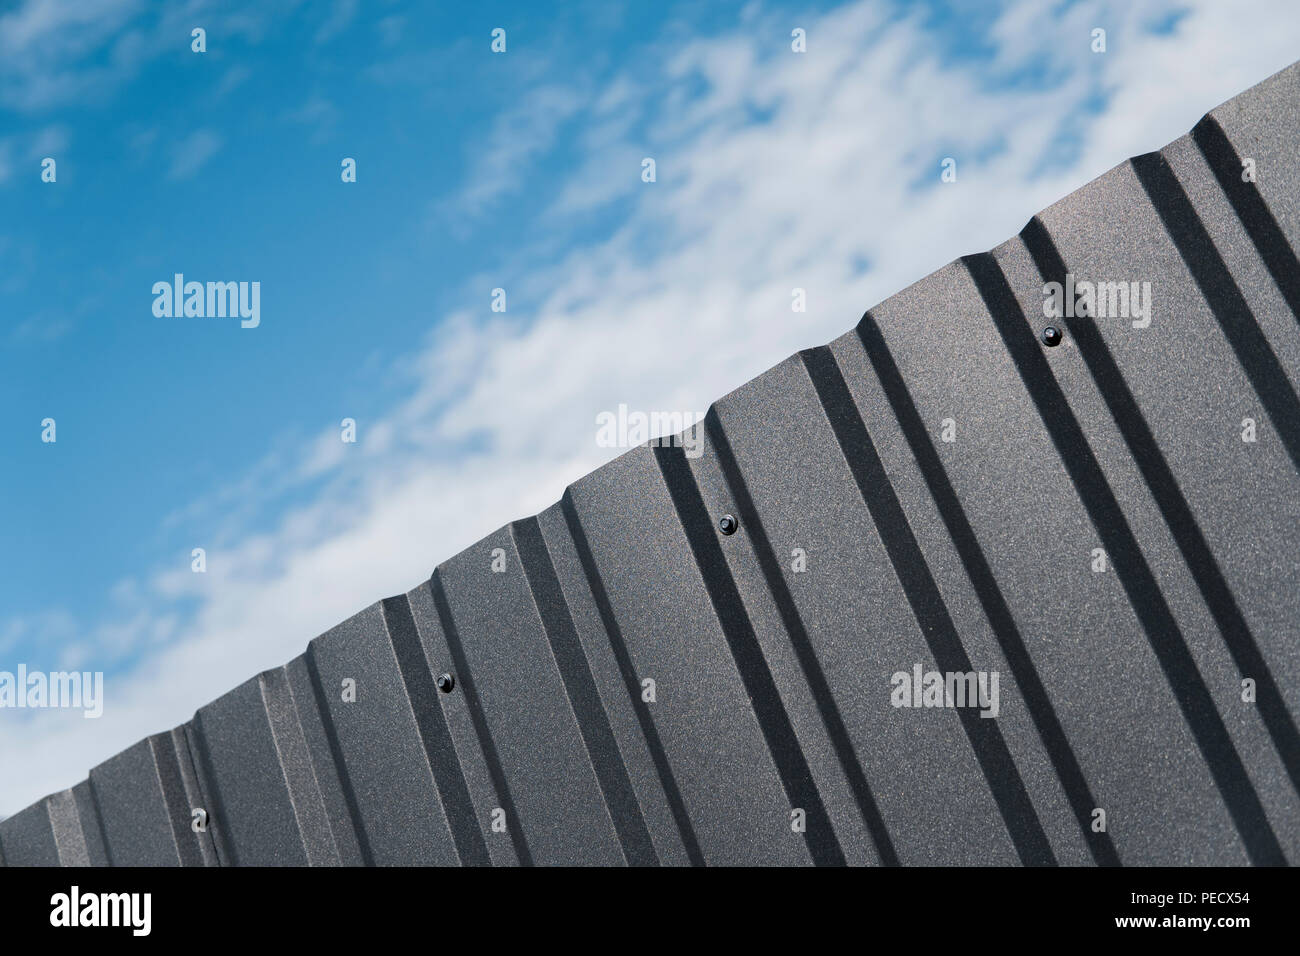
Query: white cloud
x,y
191,153
518,136
337,22
686,300
319,114
53,53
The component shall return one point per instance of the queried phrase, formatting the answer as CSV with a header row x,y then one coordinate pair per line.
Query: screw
x,y
1051,336
445,683
728,524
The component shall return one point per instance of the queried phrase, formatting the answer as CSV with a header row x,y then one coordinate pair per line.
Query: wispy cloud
x,y
52,53
390,30
338,20
31,149
40,328
317,113
192,152
500,162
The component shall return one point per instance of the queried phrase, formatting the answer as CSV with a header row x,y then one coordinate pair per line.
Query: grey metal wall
x,y
1121,689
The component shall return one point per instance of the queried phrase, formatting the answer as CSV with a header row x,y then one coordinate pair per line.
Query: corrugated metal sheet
x,y
1121,690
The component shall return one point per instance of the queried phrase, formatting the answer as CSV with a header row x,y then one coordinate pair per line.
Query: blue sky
x,y
223,166
474,171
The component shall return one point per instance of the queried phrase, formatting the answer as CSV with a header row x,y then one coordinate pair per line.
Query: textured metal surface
x,y
1121,689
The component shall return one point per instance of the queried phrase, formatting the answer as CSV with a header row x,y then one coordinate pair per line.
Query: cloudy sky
x,y
476,171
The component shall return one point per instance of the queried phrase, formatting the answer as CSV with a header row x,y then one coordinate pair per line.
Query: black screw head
x,y
1051,336
728,524
445,683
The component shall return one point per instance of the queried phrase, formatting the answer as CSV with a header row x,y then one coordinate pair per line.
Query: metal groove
x,y
798,634
627,671
490,756
790,762
1000,772
448,774
227,851
290,742
65,827
1200,560
99,819
1223,297
1256,218
173,789
212,850
1139,583
593,722
193,786
987,590
92,825
336,752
